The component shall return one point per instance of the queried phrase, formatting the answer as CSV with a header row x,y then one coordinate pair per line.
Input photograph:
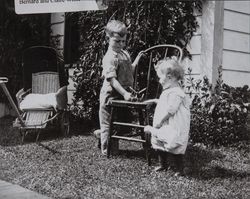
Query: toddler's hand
x,y
147,129
157,126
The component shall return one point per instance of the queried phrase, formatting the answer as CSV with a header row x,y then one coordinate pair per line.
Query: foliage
x,y
149,23
219,115
17,32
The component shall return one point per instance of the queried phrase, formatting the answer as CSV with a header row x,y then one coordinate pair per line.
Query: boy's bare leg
x,y
104,141
104,117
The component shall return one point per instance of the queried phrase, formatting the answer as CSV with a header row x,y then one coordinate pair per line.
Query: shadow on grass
x,y
197,162
219,172
10,136
140,153
85,128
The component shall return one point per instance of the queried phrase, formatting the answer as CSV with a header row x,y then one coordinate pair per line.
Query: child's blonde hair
x,y
170,67
115,26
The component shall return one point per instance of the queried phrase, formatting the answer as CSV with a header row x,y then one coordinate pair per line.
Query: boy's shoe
x,y
104,152
97,133
179,173
159,168
115,147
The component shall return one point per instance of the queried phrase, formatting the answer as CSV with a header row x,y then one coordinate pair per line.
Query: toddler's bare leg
x,y
179,162
162,156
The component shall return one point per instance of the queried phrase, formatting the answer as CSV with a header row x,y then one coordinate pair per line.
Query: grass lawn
x,y
74,168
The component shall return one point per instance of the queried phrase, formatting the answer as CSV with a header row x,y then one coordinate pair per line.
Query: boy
x,y
118,73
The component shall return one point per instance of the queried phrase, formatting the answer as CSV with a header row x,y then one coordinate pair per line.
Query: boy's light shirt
x,y
111,61
109,64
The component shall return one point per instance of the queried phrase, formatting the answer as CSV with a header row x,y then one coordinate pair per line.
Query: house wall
x,y
194,47
222,39
71,88
236,43
202,43
4,110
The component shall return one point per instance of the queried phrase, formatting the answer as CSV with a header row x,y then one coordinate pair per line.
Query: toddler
x,y
118,75
171,122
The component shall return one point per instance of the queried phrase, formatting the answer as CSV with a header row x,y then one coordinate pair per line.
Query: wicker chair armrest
x,y
21,95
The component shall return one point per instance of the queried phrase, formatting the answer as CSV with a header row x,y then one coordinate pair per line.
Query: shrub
x,y
219,114
149,23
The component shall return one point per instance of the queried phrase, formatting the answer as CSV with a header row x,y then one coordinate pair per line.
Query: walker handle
x,y
3,80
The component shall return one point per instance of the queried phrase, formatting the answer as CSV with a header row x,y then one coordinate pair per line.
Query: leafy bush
x,y
219,115
149,23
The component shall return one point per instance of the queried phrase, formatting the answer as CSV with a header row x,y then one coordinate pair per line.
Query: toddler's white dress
x,y
173,135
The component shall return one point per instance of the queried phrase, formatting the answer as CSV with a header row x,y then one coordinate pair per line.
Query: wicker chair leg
x,y
38,134
23,134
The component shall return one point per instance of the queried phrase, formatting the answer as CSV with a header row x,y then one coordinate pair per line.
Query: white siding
x,y
194,64
236,21
71,88
236,78
237,6
3,110
194,47
230,61
6,109
198,18
236,43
